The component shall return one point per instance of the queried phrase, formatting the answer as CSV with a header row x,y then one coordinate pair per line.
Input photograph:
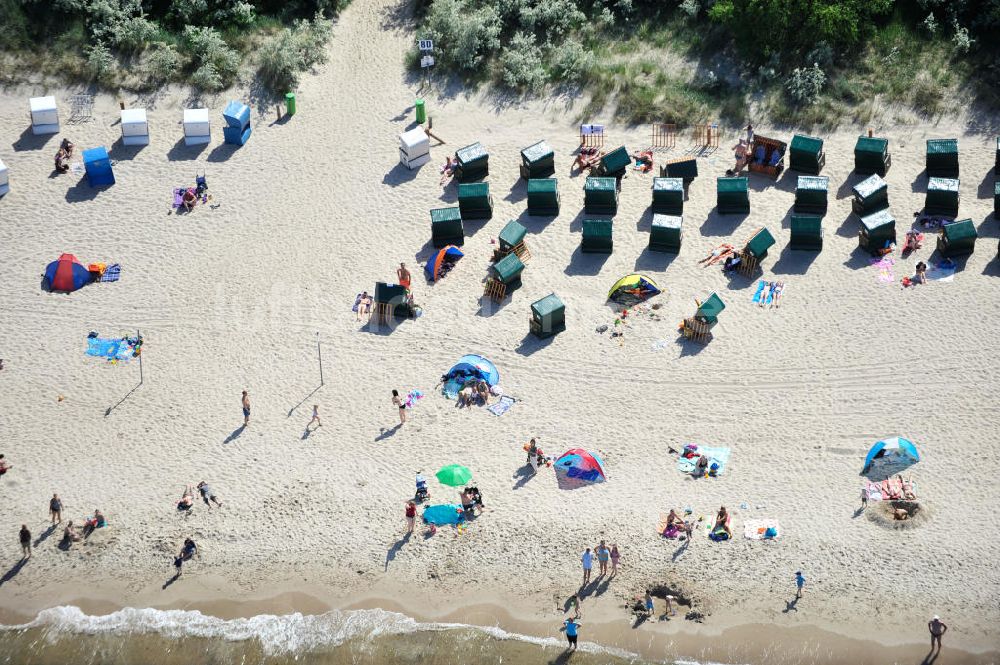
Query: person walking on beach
x,y
799,583
315,418
398,402
25,537
616,558
246,408
55,509
603,555
649,604
938,629
572,630
411,515
588,563
404,276
207,495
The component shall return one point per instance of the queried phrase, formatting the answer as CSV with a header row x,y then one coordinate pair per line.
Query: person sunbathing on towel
x,y
723,251
721,521
187,499
907,486
776,290
448,170
643,160
62,157
190,199
673,519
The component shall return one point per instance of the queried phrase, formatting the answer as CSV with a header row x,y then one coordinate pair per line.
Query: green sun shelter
x,y
870,195
543,197
942,197
942,158
806,155
807,232
732,195
597,236
685,168
871,155
615,163
537,161
665,233
548,316
600,196
473,163
668,196
878,231
811,194
508,270
446,227
957,238
474,200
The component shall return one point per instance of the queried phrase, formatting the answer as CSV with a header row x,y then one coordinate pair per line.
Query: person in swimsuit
x,y
921,276
572,630
720,253
532,449
246,408
776,289
315,418
208,496
721,520
411,515
25,537
4,466
402,407
740,150
69,534
616,558
187,499
588,563
189,199
55,509
649,604
364,306
937,629
404,276
603,556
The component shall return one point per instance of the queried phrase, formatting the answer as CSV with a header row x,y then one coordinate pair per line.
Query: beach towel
x,y
412,397
357,303
501,407
718,456
883,265
110,349
761,529
939,274
179,196
112,273
720,533
759,293
675,530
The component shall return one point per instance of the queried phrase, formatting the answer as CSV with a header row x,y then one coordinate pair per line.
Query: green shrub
x,y
162,62
293,50
207,77
805,84
572,62
207,47
466,36
521,63
100,61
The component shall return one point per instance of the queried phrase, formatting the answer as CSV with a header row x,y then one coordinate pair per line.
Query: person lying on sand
x,y
588,158
364,306
189,199
448,170
777,288
187,499
720,253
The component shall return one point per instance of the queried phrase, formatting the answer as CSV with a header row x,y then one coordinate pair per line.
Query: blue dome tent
x,y
469,367
895,450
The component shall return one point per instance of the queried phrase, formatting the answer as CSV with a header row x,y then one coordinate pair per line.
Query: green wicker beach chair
x,y
548,316
504,277
600,196
668,196
957,238
732,195
870,195
615,163
942,158
996,200
996,163
665,233
811,194
871,155
942,197
807,232
473,163
754,251
511,241
537,161
474,200
446,227
543,197
878,231
597,236
390,302
698,328
685,168
806,154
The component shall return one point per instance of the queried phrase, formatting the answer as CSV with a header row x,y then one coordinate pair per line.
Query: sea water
x,y
66,635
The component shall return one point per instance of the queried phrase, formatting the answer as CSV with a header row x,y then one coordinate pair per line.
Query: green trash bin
x,y
290,103
421,111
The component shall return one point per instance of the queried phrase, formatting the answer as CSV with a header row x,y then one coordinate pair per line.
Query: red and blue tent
x,y
448,253
66,274
581,464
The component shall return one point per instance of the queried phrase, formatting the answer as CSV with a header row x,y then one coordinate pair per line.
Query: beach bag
x,y
771,532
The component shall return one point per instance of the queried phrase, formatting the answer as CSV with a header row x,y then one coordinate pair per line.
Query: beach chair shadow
x,y
223,152
532,343
28,141
793,261
183,152
721,225
919,183
82,191
858,260
846,189
586,263
651,260
849,227
518,191
121,151
645,222
992,269
399,175
985,190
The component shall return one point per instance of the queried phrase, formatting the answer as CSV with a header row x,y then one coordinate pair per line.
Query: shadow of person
x,y
235,434
523,475
394,550
931,656
790,606
562,658
43,535
639,620
12,573
173,579
386,433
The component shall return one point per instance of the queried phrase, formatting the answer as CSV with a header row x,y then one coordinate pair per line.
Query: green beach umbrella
x,y
454,475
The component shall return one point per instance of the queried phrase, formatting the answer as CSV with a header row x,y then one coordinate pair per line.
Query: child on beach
x,y
315,418
615,559
800,582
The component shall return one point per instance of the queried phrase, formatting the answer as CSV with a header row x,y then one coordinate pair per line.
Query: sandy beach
x,y
315,208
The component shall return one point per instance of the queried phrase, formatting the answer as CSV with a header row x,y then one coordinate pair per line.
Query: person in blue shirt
x,y
799,583
572,628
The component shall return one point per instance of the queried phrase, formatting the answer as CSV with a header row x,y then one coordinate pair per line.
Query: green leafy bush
x,y
465,35
207,47
521,63
100,61
805,84
293,50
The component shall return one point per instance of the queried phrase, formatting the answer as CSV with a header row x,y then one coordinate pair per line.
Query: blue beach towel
x,y
719,456
501,407
112,273
111,349
760,292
